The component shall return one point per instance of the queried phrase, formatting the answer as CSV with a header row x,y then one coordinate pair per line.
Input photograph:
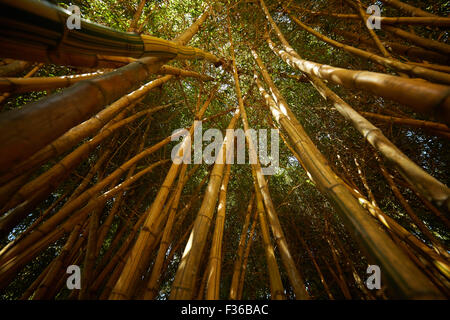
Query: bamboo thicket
x,y
102,165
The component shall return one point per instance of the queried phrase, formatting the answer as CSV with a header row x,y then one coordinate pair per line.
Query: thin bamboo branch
x,y
238,262
416,12
426,21
246,255
410,51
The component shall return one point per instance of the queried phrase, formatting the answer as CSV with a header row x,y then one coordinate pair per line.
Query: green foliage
x,y
297,200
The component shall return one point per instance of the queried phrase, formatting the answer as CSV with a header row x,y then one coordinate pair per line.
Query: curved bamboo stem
x,y
430,98
429,186
418,71
276,285
88,127
20,85
380,247
91,39
25,131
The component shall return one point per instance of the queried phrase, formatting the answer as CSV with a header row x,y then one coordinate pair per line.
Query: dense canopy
x,y
88,120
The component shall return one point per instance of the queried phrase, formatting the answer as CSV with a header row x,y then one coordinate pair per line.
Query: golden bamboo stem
x,y
215,257
184,283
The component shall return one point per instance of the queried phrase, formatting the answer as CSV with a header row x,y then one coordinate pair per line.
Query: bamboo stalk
x,y
176,247
402,237
418,222
25,131
83,130
215,258
147,17
380,248
103,230
30,290
20,85
398,231
86,180
117,261
419,41
335,276
416,12
340,274
316,266
408,122
289,264
276,286
437,67
7,190
418,71
391,225
246,255
432,96
428,185
26,84
151,288
35,223
426,21
183,285
27,76
90,256
129,275
137,15
427,204
39,188
380,84
359,282
238,262
373,35
192,200
30,246
13,68
410,51
90,39
42,288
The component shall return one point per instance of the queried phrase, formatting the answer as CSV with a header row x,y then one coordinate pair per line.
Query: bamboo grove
x,y
87,126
